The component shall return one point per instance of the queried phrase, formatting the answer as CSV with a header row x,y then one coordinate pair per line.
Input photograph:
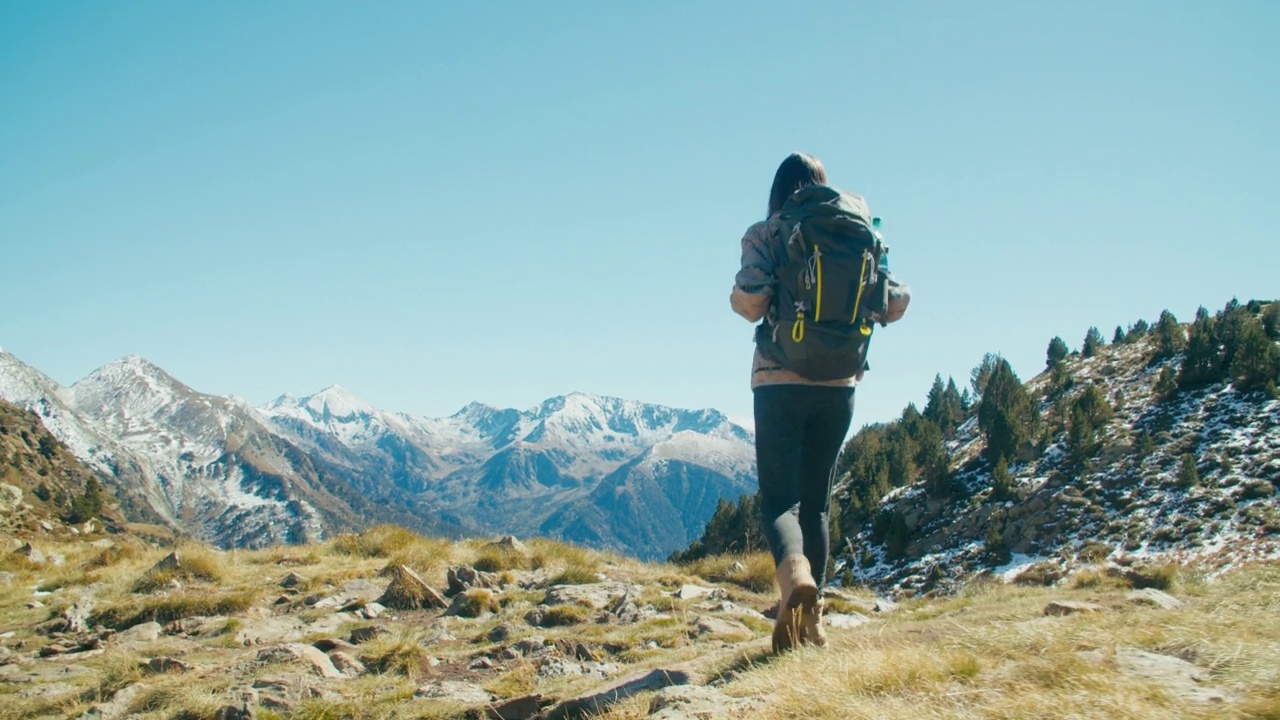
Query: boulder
x,y
1071,607
455,690
408,591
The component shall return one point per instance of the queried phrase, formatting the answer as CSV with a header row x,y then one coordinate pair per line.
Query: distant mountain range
x,y
609,473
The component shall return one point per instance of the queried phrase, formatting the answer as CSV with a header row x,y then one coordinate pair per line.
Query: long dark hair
x,y
797,171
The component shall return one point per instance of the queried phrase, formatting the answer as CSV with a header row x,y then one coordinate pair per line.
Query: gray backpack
x,y
831,288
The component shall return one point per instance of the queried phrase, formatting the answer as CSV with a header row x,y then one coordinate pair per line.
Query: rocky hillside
x,y
44,490
1129,450
606,472
388,625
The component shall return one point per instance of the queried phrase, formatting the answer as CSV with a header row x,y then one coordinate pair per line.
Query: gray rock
x,y
77,617
144,632
1176,675
10,498
509,542
347,664
1152,596
731,629
499,633
407,591
465,577
167,665
532,646
317,661
521,708
284,692
845,620
482,663
597,595
1071,607
462,692
293,579
693,592
329,645
362,635
118,706
372,610
698,702
601,697
269,630
33,555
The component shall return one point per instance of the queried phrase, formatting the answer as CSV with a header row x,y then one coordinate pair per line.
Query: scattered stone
x,y
77,617
167,665
499,633
463,692
1070,607
601,697
118,706
532,646
845,620
282,600
293,579
318,661
692,592
1152,596
472,604
407,591
243,711
521,708
29,552
575,649
482,663
596,595
465,577
725,606
283,692
372,610
729,629
54,649
549,667
312,599
265,631
347,664
509,542
627,610
35,605
1176,675
329,645
46,526
144,632
884,605
362,635
698,702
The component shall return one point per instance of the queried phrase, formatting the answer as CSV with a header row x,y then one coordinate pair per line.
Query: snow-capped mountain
x,y
604,471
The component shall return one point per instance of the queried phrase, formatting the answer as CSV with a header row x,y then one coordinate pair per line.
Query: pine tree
x,y
1170,338
1006,414
88,505
1001,481
1257,359
1188,475
1118,337
1092,341
981,374
1089,412
1271,320
1056,353
1201,365
1137,331
1229,331
897,537
1166,385
943,406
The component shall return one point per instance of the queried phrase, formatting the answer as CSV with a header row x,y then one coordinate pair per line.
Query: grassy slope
x,y
987,653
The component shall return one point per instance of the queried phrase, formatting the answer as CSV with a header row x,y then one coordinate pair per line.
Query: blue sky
x,y
432,203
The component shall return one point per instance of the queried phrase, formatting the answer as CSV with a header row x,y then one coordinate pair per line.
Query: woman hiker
x,y
800,422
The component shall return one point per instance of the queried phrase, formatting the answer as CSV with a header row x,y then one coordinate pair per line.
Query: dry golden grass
x,y
196,562
400,654
756,571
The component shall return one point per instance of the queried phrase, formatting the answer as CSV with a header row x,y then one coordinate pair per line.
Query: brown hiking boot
x,y
811,630
799,591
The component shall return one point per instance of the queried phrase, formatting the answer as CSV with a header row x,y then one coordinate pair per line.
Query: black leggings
x,y
799,431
